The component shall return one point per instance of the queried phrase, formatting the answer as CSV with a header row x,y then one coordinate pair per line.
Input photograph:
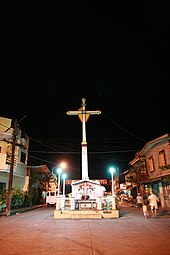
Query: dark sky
x,y
54,54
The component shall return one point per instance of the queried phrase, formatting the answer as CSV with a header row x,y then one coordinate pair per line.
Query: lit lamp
x,y
64,179
113,193
112,171
59,171
62,165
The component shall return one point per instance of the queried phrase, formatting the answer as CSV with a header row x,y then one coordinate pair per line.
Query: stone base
x,y
111,214
85,214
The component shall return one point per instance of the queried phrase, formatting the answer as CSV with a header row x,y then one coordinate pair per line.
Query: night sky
x,y
115,56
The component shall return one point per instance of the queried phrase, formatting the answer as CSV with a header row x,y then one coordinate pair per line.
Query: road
x,y
36,232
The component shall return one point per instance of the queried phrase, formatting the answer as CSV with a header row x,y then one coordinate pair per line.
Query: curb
x,y
21,210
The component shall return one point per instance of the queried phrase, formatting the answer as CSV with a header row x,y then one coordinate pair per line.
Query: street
x,y
36,232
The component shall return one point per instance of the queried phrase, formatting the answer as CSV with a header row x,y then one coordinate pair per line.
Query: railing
x,y
70,203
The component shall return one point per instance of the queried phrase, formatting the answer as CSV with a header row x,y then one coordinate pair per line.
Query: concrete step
x,y
86,216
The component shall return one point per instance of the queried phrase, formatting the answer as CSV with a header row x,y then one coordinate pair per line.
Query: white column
x,y
83,115
64,179
84,161
98,200
72,203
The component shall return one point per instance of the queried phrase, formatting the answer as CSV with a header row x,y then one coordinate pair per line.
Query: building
x,y
20,178
151,168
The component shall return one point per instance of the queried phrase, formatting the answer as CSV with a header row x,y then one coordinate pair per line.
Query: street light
x,y
61,165
59,171
112,171
64,179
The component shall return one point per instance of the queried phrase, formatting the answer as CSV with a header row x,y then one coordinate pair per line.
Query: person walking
x,y
139,201
145,210
153,202
144,195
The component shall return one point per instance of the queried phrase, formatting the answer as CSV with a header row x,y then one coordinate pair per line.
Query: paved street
x,y
36,232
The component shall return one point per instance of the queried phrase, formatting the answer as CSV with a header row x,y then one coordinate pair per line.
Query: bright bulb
x,y
63,165
112,170
59,170
64,176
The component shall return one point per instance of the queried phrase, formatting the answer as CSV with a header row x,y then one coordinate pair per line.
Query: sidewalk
x,y
21,210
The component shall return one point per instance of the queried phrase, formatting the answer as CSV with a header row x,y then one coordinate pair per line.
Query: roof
x,y
148,146
40,169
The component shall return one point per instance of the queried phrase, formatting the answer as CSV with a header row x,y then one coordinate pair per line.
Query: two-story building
x,y
20,178
152,168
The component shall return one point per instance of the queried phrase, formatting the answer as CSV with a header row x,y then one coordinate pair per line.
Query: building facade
x,y
151,168
20,178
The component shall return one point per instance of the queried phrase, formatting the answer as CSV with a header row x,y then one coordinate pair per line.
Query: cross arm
x,y
93,112
83,112
74,112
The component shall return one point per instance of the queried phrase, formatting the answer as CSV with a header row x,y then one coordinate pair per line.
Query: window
x,y
151,164
2,186
23,157
162,159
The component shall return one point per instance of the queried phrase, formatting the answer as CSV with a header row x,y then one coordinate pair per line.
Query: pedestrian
x,y
153,202
145,210
144,195
139,201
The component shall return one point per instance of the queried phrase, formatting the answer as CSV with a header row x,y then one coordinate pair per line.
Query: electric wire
x,y
109,118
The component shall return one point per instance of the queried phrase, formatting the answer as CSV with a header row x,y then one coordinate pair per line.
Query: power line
x,y
124,129
41,159
76,152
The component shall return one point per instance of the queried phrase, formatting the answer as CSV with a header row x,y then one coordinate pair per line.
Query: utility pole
x,y
10,181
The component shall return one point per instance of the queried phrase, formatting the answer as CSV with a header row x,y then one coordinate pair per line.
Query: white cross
x,y
84,115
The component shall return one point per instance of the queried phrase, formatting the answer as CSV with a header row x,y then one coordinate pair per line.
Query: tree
x,y
37,184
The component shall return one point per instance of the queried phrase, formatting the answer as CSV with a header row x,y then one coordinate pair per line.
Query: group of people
x,y
152,200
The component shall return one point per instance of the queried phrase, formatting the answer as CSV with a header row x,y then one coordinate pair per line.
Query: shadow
x,y
163,213
123,213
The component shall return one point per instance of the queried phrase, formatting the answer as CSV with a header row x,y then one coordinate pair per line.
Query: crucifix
x,y
83,115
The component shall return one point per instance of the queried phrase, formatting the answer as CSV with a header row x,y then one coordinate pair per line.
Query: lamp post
x,y
112,171
113,193
64,179
52,171
59,171
62,165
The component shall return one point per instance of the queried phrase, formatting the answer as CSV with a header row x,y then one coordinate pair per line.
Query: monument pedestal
x,y
86,214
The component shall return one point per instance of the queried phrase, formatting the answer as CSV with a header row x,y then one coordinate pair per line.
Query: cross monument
x,y
83,115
